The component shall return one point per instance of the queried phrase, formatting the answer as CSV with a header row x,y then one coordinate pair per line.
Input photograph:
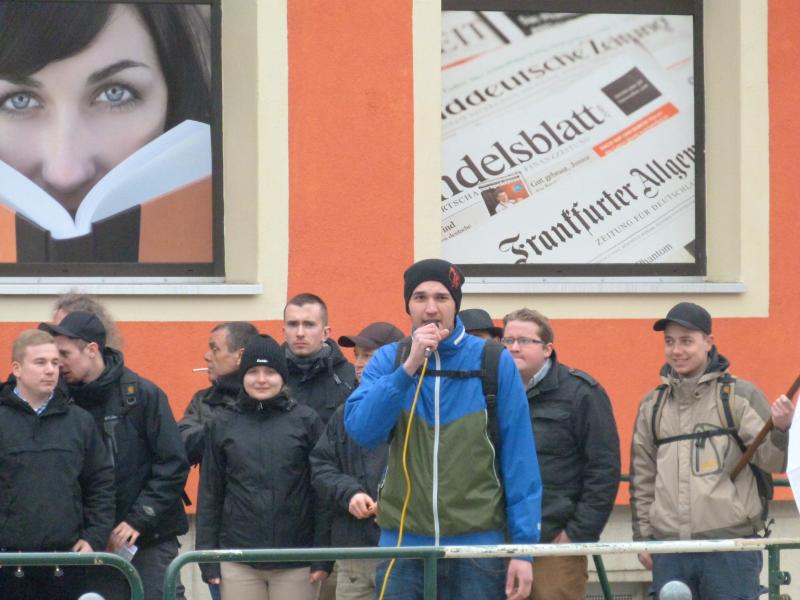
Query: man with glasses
x,y
578,448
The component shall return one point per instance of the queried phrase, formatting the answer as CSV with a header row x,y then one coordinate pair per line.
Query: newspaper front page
x,y
571,142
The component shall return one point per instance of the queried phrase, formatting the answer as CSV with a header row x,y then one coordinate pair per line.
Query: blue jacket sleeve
x,y
522,482
373,408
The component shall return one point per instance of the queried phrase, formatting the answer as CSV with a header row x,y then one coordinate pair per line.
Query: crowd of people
x,y
463,433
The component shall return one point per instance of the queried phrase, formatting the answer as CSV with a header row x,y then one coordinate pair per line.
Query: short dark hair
x,y
535,317
308,298
237,333
36,34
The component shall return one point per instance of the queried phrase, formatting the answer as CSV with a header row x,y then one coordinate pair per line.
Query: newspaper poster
x,y
571,142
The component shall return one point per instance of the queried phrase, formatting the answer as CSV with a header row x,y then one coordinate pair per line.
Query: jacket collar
x,y
56,405
453,342
280,403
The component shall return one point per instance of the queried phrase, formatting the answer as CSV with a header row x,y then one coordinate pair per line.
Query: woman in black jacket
x,y
255,483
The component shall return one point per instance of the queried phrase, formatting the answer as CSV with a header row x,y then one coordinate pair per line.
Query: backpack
x,y
766,486
490,362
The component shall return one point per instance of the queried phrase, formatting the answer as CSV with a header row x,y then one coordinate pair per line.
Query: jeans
x,y
483,578
213,589
711,576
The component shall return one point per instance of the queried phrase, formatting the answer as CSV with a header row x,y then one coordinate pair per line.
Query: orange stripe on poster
x,y
633,131
8,235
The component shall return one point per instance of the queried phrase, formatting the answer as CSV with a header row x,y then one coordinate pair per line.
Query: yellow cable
x,y
405,472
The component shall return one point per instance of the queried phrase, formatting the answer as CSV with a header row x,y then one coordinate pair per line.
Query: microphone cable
x,y
405,472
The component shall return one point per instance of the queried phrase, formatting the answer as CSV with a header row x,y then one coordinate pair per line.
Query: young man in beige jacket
x,y
687,439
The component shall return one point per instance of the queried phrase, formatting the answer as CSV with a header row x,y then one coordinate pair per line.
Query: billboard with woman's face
x,y
107,124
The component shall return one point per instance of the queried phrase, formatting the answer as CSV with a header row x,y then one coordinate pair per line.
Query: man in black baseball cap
x,y
687,314
79,325
701,415
369,339
135,419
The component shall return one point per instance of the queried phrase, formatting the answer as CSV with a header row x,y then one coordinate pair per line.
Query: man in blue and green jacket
x,y
457,495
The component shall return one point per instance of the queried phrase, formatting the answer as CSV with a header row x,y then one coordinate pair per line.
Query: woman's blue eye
x,y
115,94
19,101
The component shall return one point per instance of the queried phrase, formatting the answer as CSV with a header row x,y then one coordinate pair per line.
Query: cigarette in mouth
x,y
200,369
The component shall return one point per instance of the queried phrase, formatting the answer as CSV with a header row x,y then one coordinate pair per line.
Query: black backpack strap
x,y
490,364
662,391
764,482
403,348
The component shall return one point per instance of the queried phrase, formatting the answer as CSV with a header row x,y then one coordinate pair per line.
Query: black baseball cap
x,y
373,336
78,325
688,314
477,319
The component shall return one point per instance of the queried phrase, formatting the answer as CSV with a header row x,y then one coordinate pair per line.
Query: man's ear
x,y
92,349
326,332
16,369
239,354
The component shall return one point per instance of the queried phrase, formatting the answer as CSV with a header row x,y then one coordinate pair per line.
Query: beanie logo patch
x,y
455,278
262,360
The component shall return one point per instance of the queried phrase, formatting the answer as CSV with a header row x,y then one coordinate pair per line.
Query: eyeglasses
x,y
522,341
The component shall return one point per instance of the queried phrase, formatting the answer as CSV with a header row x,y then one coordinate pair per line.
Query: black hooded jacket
x,y
205,405
255,481
578,449
341,468
56,478
150,463
326,383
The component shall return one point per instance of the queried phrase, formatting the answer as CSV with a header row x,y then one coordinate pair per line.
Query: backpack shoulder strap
x,y
403,348
656,416
490,365
727,384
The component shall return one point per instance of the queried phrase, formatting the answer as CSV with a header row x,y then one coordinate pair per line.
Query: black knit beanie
x,y
434,269
263,351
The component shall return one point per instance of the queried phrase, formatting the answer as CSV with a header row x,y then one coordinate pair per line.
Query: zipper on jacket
x,y
436,426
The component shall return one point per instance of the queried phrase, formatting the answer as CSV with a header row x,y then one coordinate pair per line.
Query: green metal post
x,y
774,558
69,559
602,577
429,578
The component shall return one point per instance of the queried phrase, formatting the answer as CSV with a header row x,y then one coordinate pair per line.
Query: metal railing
x,y
431,554
72,559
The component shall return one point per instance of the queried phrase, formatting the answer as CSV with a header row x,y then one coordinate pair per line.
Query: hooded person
x,y
319,374
458,495
232,512
134,418
690,432
346,476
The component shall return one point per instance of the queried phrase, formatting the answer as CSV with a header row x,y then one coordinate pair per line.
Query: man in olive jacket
x,y
686,442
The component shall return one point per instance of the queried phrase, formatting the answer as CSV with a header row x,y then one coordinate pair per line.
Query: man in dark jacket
x,y
56,477
226,343
578,448
319,375
347,475
150,463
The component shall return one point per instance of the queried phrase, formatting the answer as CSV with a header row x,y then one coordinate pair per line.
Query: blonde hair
x,y
26,339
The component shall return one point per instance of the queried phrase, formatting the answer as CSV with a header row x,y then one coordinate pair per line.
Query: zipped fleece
x,y
456,496
682,490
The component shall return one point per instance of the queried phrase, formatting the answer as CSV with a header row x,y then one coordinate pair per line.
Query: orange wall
x,y
350,134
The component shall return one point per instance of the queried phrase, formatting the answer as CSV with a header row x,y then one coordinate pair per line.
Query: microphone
x,y
675,590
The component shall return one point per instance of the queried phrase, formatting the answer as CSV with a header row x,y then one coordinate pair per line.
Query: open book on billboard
x,y
175,168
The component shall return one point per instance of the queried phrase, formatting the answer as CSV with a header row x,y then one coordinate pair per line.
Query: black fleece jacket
x,y
56,478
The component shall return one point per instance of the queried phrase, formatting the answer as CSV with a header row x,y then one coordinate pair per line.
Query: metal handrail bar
x,y
71,559
431,553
